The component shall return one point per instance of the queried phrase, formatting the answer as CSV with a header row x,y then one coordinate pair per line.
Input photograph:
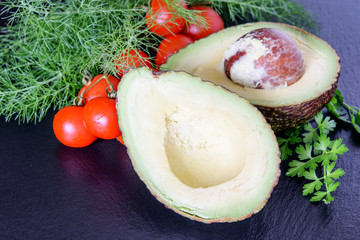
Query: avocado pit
x,y
265,58
283,107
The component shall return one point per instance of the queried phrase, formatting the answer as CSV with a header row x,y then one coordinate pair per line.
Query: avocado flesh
x,y
202,151
204,58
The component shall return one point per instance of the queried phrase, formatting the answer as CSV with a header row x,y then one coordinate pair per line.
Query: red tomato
x,y
99,89
120,139
101,119
213,20
132,58
171,45
69,128
162,20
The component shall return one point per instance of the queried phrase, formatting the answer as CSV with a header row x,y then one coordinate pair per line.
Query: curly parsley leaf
x,y
316,157
310,133
304,151
291,138
334,174
296,168
324,125
322,144
318,196
314,185
327,125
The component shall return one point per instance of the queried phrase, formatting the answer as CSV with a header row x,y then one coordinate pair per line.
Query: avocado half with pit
x,y
202,151
283,108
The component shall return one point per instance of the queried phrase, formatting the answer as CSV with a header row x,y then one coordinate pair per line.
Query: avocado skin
x,y
164,201
284,117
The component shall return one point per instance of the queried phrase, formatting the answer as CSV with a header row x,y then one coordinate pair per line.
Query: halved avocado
x,y
202,151
283,108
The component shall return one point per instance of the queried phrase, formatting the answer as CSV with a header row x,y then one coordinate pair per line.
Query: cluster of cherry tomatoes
x,y
94,116
176,33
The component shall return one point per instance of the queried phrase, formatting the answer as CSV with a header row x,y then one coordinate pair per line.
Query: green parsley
x,y
316,157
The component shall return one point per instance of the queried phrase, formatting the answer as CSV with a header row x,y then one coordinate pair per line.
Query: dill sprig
x,y
243,11
50,43
47,45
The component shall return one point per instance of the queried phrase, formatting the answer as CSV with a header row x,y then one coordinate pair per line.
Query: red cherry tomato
x,y
132,58
162,20
120,139
213,20
171,45
101,119
69,128
99,89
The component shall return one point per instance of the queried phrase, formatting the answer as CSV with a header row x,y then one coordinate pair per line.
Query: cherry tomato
x,y
171,45
101,119
120,139
69,128
162,20
98,89
213,20
132,58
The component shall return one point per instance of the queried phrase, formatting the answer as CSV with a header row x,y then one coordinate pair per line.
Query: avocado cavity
x,y
202,151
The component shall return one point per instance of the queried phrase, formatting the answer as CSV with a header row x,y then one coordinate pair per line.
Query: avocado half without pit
x,y
287,73
204,152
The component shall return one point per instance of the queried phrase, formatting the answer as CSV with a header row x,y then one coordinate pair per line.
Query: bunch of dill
x,y
47,45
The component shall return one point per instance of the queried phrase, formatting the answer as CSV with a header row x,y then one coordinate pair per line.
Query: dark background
x,y
49,191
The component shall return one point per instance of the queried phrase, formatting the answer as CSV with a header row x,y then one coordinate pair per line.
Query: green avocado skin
x,y
171,101
281,118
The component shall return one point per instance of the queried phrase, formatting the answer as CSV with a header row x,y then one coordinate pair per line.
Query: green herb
x,y
234,11
292,137
343,111
49,44
316,157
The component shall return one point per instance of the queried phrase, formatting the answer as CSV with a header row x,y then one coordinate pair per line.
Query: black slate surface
x,y
49,191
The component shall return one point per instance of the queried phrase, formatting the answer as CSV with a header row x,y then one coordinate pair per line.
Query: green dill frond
x,y
48,44
285,11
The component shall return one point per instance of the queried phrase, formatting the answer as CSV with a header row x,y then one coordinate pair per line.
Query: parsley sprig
x,y
316,158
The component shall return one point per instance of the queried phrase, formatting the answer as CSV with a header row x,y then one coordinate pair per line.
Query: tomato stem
x,y
110,90
78,101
